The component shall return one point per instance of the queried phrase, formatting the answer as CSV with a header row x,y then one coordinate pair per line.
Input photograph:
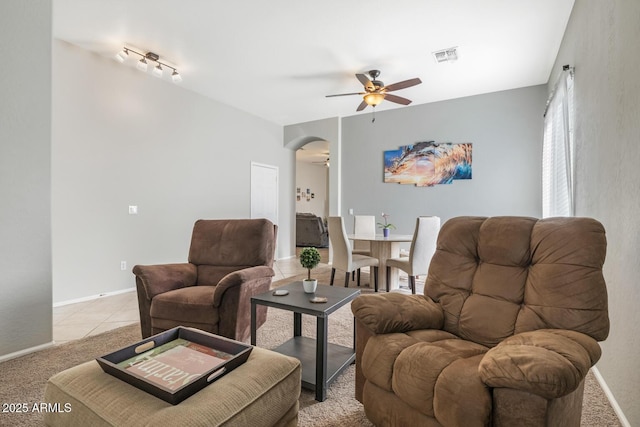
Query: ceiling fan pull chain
x,y
374,115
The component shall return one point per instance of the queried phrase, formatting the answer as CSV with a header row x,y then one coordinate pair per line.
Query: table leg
x,y
321,358
253,323
384,250
297,324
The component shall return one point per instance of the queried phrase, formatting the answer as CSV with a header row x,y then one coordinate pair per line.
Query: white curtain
x,y
557,151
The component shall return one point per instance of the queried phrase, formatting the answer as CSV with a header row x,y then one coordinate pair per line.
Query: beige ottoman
x,y
264,391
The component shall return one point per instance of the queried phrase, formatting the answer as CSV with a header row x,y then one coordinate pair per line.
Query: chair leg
x,y
388,277
333,273
358,275
346,280
353,275
412,284
375,278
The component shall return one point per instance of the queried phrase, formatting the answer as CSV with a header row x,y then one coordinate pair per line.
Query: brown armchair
x,y
229,261
504,334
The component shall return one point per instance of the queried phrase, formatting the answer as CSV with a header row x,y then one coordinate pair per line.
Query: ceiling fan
x,y
323,162
375,91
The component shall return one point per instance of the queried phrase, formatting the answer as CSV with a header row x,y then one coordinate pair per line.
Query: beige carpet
x,y
24,378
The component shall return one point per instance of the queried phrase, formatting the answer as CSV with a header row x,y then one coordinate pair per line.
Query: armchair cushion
x,y
192,306
393,312
447,387
548,362
157,279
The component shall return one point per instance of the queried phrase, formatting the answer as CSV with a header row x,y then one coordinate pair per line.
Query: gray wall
x,y
122,137
505,129
602,41
25,182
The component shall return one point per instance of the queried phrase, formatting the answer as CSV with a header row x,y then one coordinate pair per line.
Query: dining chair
x,y
343,257
362,225
422,249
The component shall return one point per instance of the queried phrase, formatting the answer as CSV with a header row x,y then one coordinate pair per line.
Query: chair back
x,y
496,277
364,225
342,254
423,245
221,246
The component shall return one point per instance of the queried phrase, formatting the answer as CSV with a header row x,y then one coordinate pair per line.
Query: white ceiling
x,y
278,59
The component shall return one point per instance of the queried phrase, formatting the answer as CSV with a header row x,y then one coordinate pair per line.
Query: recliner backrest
x,y
495,277
221,246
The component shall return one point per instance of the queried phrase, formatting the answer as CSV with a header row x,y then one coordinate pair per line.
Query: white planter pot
x,y
310,285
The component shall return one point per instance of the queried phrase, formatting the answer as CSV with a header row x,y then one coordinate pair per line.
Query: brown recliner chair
x,y
504,334
229,261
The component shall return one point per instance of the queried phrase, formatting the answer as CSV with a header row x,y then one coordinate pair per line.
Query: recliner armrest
x,y
548,362
393,312
240,277
157,279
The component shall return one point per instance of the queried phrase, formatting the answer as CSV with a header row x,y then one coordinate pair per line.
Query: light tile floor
x,y
75,321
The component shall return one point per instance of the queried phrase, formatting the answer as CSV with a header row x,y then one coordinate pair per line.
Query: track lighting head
x,y
143,63
157,71
122,55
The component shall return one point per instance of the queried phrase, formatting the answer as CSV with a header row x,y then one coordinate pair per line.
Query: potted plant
x,y
386,226
309,259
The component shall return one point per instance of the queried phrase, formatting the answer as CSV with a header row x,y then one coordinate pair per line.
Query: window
x,y
557,150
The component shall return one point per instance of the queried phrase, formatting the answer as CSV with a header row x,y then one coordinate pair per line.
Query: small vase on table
x,y
309,258
386,226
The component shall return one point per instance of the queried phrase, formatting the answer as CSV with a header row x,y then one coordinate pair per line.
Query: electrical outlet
x,y
123,265
351,211
133,210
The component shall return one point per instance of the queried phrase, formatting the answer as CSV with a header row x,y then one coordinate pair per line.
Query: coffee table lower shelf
x,y
304,348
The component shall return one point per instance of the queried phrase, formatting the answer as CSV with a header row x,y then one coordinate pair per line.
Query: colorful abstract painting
x,y
425,164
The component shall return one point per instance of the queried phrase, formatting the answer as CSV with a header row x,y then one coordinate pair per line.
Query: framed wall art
x,y
425,164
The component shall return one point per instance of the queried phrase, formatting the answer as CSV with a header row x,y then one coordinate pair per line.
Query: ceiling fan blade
x,y
402,85
397,99
365,82
346,94
362,106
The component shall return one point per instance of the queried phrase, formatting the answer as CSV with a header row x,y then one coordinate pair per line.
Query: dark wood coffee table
x,y
328,359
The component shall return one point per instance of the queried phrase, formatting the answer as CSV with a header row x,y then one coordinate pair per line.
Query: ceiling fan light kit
x,y
375,91
373,99
143,64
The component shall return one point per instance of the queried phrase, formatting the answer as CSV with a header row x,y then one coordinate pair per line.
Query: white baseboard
x,y
287,257
612,400
92,297
9,356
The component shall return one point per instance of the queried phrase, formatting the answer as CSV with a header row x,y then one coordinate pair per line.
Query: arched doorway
x,y
312,196
299,135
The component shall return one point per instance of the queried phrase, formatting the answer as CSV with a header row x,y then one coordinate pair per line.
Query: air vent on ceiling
x,y
446,55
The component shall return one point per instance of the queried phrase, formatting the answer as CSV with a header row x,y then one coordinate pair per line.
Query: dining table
x,y
384,248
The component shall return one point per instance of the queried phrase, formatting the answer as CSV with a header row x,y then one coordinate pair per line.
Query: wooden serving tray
x,y
177,363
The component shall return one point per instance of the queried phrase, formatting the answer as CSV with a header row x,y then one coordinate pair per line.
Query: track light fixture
x,y
143,65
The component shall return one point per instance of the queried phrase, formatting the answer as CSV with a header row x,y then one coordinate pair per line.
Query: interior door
x,y
264,192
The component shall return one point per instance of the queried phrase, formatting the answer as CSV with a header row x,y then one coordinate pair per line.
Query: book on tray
x,y
174,364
